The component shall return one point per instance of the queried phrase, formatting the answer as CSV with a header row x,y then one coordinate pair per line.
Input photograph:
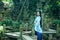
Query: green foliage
x,y
1,29
56,21
15,24
52,9
1,6
1,23
7,22
58,2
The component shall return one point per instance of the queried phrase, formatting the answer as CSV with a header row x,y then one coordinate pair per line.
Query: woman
x,y
37,27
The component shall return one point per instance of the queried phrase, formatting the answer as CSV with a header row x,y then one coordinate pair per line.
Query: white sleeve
x,y
38,21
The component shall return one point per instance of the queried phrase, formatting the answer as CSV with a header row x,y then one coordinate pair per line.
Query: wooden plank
x,y
27,37
50,31
16,35
27,32
13,35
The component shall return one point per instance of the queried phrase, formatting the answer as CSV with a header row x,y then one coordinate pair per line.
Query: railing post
x,y
20,30
58,31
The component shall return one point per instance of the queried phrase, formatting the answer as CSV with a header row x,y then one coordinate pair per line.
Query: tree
x,y
53,9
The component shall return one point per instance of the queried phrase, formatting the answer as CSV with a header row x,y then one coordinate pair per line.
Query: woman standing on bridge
x,y
37,27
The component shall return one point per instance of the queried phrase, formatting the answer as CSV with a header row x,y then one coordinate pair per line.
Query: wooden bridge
x,y
26,37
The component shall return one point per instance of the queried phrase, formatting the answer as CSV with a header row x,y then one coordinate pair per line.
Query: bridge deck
x,y
16,34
